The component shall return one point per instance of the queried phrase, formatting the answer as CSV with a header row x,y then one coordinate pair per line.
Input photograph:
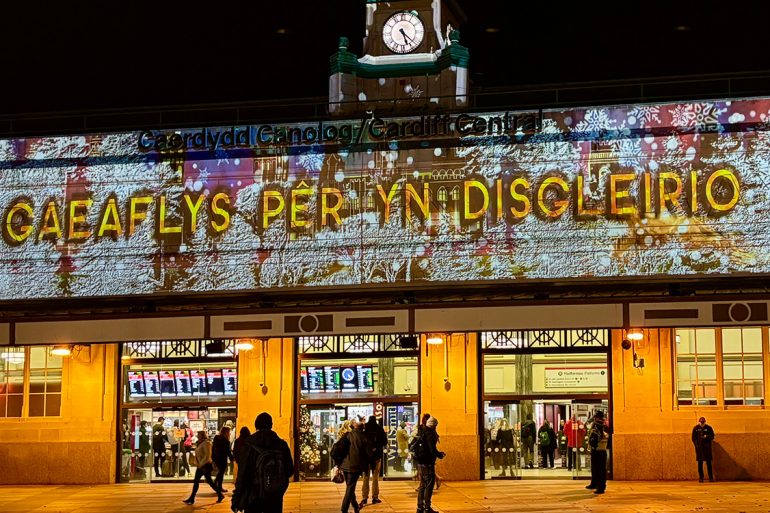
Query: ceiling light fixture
x,y
61,350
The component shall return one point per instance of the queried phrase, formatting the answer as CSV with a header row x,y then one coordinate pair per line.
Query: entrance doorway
x,y
320,425
516,435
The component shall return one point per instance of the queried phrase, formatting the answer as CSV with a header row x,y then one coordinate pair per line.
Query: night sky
x,y
85,55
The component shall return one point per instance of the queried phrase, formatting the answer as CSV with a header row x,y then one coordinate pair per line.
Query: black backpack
x,y
270,480
418,447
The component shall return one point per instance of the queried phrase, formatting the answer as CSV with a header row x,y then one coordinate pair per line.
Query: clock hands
x,y
406,38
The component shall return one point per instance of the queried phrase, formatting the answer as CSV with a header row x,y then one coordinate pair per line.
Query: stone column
x,y
449,392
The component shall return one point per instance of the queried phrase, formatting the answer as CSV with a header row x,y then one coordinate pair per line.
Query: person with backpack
x,y
598,439
352,453
264,469
221,454
425,453
528,433
205,466
546,439
378,441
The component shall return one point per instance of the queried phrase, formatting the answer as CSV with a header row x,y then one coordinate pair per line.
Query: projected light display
x,y
620,192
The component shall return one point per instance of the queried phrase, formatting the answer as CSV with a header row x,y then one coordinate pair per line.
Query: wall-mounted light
x,y
634,340
61,350
244,344
435,339
635,334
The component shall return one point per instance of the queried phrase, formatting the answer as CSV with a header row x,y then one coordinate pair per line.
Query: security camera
x,y
626,344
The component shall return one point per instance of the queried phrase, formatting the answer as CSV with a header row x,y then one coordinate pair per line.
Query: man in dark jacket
x,y
528,433
702,435
378,441
358,454
246,495
158,445
427,464
598,438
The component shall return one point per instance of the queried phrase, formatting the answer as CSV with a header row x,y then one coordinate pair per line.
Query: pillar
x,y
266,383
449,392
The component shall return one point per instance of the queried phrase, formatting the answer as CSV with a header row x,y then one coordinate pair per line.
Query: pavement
x,y
399,496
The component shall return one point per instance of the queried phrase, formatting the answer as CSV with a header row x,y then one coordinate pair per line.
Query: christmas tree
x,y
309,454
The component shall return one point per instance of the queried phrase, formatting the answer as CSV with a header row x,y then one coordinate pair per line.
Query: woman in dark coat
x,y
220,453
702,435
238,447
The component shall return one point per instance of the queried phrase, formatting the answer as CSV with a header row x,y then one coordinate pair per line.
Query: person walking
x,y
238,448
205,466
357,452
220,454
378,441
598,439
546,439
702,435
265,467
426,453
507,447
144,443
528,434
158,445
402,447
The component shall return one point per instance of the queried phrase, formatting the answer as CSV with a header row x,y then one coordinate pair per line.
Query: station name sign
x,y
369,129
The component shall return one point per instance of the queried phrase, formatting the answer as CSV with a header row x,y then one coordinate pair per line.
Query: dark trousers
x,y
547,453
204,471
159,456
351,478
427,484
573,458
708,467
274,506
222,469
599,470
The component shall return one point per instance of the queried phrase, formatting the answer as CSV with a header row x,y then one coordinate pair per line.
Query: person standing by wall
x,y
426,453
239,447
702,435
598,439
378,441
528,433
205,466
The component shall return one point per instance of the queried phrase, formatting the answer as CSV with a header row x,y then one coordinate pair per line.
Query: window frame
x,y
26,387
719,362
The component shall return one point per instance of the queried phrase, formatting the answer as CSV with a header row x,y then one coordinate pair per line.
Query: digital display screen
x,y
151,384
230,377
214,383
167,384
622,192
365,378
135,384
303,379
349,378
332,379
183,385
315,379
198,382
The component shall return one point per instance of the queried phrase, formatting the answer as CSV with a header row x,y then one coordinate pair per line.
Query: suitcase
x,y
167,470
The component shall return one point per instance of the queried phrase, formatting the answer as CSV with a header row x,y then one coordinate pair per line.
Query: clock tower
x,y
413,60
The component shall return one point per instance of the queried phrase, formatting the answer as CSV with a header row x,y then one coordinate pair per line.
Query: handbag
x,y
192,460
337,475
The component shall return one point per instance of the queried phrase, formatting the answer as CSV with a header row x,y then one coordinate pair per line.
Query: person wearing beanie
x,y
264,458
426,454
598,438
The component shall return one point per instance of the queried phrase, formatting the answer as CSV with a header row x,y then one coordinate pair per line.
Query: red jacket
x,y
575,432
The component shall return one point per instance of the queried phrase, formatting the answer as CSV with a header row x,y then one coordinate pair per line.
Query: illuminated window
x,y
33,376
456,193
719,366
442,195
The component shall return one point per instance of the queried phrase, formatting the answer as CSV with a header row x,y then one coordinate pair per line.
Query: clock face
x,y
403,32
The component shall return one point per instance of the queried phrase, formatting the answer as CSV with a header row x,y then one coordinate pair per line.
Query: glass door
x,y
504,450
579,423
136,446
319,427
400,421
